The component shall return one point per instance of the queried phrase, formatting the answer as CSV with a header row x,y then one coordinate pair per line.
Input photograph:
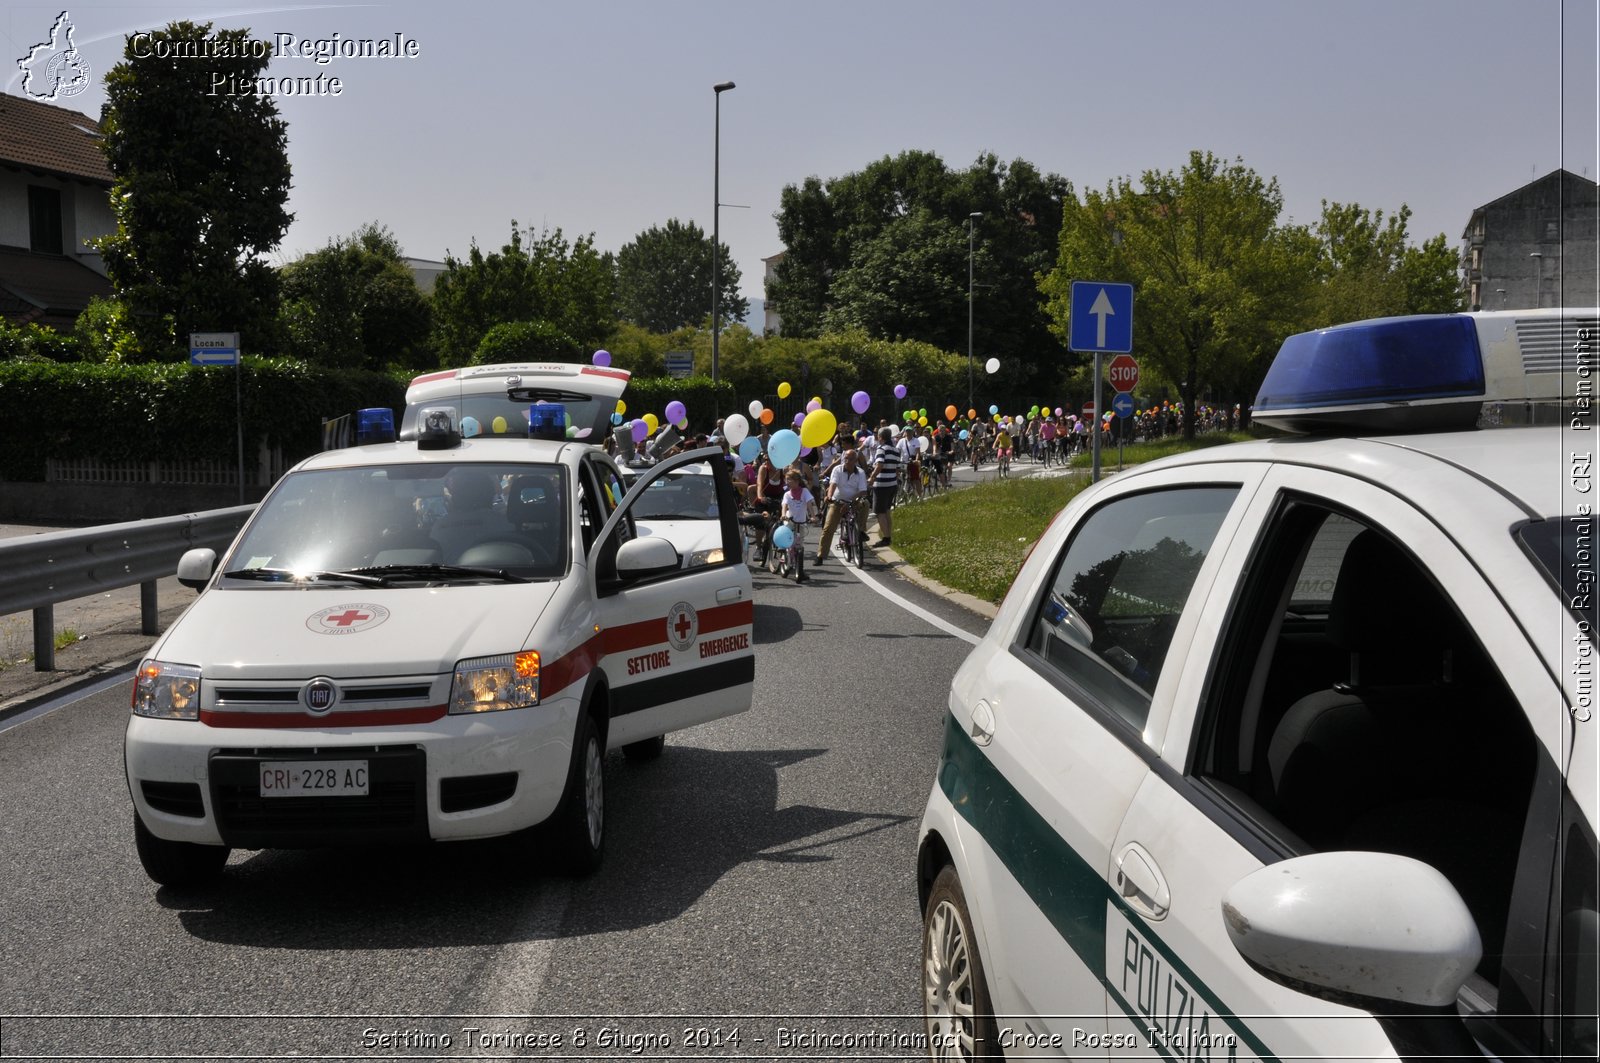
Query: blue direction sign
x,y
1102,317
1122,405
213,348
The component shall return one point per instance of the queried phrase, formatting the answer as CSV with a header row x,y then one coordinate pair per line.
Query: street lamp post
x,y
716,235
972,229
1538,257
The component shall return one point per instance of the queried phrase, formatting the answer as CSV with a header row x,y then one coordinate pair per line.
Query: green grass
x,y
66,637
1134,453
974,539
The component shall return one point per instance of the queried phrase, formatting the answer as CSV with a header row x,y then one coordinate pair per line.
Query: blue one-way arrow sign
x,y
1102,317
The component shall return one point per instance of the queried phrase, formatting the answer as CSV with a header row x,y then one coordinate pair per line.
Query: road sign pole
x,y
238,419
1094,428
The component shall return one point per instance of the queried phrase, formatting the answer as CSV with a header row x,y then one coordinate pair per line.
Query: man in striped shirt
x,y
885,482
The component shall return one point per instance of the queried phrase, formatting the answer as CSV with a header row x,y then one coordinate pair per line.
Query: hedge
x,y
171,411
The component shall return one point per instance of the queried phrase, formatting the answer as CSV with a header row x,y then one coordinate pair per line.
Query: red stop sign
x,y
1123,372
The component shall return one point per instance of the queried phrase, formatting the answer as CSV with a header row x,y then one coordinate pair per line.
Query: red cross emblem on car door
x,y
682,625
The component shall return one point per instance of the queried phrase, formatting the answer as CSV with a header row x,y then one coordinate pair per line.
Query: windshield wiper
x,y
284,575
674,516
383,575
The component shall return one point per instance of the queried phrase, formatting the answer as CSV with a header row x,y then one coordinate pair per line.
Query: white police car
x,y
434,639
1286,749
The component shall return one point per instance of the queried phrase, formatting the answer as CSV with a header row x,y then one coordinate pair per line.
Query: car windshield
x,y
690,494
425,523
505,413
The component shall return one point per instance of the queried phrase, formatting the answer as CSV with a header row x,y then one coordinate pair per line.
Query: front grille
x,y
465,792
394,809
174,798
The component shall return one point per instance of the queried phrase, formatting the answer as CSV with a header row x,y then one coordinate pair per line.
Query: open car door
x,y
676,643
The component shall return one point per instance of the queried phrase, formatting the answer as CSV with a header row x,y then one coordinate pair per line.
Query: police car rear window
x,y
1563,551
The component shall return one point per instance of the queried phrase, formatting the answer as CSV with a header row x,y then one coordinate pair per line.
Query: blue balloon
x,y
963,433
750,449
994,410
783,447
616,418
783,537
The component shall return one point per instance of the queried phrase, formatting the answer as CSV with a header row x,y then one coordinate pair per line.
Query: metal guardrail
x,y
38,571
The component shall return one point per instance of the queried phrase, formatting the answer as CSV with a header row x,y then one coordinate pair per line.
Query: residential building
x,y
1535,246
772,321
55,196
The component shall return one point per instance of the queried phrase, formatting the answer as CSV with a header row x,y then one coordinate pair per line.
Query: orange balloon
x,y
972,413
766,416
950,412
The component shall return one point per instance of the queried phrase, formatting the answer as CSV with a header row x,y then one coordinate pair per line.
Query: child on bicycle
x,y
799,508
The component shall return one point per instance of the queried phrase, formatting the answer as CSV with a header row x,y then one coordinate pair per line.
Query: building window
x,y
1552,230
44,220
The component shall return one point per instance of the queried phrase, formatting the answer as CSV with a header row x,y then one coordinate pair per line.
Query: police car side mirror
x,y
1371,928
196,566
646,557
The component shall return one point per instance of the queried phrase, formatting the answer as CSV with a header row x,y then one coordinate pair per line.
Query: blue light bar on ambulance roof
x,y
375,425
1392,374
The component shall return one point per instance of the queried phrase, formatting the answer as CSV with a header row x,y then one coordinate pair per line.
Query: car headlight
x,y
705,557
165,691
492,684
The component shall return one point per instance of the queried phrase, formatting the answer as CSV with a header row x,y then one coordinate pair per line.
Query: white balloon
x,y
992,365
922,442
735,428
755,407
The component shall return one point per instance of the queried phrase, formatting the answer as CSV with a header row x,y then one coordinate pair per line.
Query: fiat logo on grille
x,y
319,695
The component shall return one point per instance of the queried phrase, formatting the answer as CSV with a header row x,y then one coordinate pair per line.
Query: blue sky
x,y
598,117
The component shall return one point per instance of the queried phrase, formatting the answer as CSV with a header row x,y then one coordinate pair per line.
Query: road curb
x,y
905,568
79,679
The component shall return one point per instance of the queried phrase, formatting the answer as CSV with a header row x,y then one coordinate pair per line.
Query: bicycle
x,y
790,560
851,542
1005,462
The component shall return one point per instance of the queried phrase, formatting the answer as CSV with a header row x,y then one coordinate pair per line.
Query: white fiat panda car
x,y
1288,749
429,639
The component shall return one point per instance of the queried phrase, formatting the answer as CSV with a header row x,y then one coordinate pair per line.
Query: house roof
x,y
48,289
1578,180
51,139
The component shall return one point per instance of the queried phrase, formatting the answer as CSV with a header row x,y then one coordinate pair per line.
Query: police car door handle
x,y
1140,881
729,594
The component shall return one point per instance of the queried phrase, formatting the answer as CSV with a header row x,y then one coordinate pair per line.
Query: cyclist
x,y
1002,449
847,486
944,450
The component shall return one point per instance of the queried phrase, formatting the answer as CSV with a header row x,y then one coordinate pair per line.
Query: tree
x,y
569,286
1365,267
664,279
1218,283
202,177
886,249
355,303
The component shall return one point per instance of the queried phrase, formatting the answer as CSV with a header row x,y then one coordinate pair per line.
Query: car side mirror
x,y
196,566
1368,927
646,557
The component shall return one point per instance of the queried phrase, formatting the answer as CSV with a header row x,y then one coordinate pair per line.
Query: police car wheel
x,y
955,998
579,833
648,749
176,864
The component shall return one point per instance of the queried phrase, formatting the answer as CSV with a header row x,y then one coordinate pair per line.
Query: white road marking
x,y
911,607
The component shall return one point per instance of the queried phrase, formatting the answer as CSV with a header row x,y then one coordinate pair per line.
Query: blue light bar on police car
x,y
1429,372
375,425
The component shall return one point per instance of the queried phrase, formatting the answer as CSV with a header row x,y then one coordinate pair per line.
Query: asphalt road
x,y
759,878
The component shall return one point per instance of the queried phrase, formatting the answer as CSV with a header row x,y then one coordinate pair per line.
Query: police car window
x,y
1375,722
1113,604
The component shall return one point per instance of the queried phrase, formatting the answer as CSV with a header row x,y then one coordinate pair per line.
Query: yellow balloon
x,y
818,427
784,389
499,426
922,421
651,422
622,407
817,399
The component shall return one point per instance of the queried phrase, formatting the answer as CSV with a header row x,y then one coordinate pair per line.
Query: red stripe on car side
x,y
569,668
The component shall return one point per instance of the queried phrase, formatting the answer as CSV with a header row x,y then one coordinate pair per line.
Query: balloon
x,y
899,391
676,412
923,421
499,426
783,537
750,449
622,407
963,433
784,389
805,451
799,419
994,410
639,431
911,415
818,427
860,401
922,443
971,414
683,425
766,416
572,433
651,422
992,365
783,447
1058,411
616,418
601,358
813,405
923,412
950,413
579,433
755,408
735,428
470,427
